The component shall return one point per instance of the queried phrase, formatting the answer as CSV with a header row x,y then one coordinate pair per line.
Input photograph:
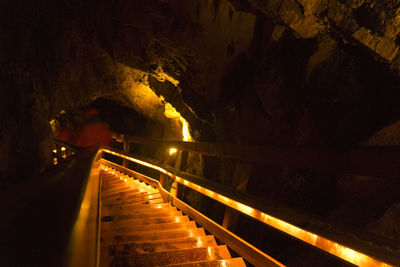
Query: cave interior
x,y
249,72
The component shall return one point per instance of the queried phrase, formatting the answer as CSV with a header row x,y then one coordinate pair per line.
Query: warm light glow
x,y
172,151
171,113
332,247
54,150
185,130
210,251
243,208
63,149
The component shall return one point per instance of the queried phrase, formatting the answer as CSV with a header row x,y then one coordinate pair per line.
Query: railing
x,y
355,246
243,248
84,243
54,216
361,160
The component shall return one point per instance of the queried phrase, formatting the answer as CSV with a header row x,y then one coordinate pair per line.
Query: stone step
x,y
132,185
119,188
173,257
114,178
235,262
110,179
140,216
130,199
129,191
134,201
109,233
113,191
165,245
114,184
146,221
109,176
106,174
149,227
117,180
111,239
116,190
137,211
134,207
123,194
117,196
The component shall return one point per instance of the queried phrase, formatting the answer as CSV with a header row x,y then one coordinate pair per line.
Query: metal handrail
x,y
84,242
359,160
371,255
243,248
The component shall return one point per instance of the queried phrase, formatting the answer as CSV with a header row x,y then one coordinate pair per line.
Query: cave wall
x,y
65,55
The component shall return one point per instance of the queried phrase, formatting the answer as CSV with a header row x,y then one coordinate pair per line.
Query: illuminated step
x,y
114,231
133,207
152,236
118,197
125,186
173,257
138,211
149,227
140,216
115,191
134,202
119,187
122,189
235,262
111,181
143,199
120,193
130,200
165,245
123,195
118,181
146,221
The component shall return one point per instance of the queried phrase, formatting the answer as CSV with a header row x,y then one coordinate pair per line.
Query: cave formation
x,y
252,72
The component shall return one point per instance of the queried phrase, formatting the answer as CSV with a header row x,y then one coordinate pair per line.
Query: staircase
x,y
138,228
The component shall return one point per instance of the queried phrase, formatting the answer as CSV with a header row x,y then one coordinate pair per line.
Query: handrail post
x,y
163,180
176,187
127,146
184,159
241,177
